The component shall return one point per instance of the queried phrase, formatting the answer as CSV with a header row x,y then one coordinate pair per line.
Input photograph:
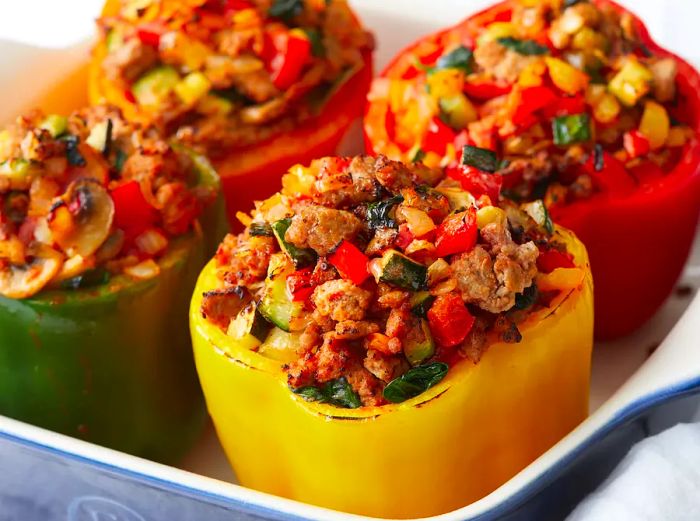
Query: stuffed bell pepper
x,y
100,246
380,341
257,85
584,110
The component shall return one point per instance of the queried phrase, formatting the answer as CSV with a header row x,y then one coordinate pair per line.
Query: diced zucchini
x,y
421,302
538,211
378,213
574,128
258,228
276,304
300,256
100,136
249,327
400,271
458,198
418,345
55,124
481,158
155,85
281,345
631,83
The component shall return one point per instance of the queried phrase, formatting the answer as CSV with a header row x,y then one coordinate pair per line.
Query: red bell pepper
x,y
438,136
449,320
287,53
483,89
475,181
300,285
632,277
531,100
565,106
636,144
150,34
132,212
549,260
457,233
404,238
350,262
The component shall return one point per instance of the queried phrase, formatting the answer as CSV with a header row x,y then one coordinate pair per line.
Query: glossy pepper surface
x,y
250,171
431,454
633,276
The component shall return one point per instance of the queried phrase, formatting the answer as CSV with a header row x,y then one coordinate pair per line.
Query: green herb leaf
x,y
316,39
527,298
119,160
524,47
260,229
378,213
459,58
336,392
575,128
286,9
481,158
73,155
415,381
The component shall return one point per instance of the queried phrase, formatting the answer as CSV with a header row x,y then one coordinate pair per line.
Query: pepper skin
x,y
638,242
445,448
110,365
252,172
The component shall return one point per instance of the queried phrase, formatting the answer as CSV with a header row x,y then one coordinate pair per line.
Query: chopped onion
x,y
144,270
151,242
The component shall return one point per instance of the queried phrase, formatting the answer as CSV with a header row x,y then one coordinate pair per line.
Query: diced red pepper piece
x,y
449,320
477,182
299,284
485,89
350,262
532,99
150,33
612,178
457,233
438,136
565,106
636,144
237,5
132,213
286,54
549,260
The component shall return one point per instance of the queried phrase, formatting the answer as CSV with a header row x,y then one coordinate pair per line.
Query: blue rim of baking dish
x,y
504,506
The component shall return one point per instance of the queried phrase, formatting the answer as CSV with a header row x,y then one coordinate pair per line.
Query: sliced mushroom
x,y
28,279
91,212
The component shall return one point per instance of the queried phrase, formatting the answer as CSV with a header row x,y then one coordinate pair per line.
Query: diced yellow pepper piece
x,y
566,77
587,39
496,30
606,109
432,159
192,87
531,76
655,124
631,83
560,278
446,83
298,181
490,215
458,111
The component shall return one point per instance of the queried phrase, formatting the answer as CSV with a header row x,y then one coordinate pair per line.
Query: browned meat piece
x,y
323,272
392,175
178,207
491,278
386,368
366,385
353,330
129,61
341,300
474,345
322,228
532,169
390,297
255,85
309,338
507,330
501,62
664,71
301,371
363,181
221,305
398,323
245,257
331,360
431,202
383,239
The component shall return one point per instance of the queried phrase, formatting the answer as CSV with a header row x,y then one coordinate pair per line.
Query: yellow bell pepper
x,y
566,77
655,124
631,82
439,451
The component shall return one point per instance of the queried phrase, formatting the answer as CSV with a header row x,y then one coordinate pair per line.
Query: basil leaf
x,y
524,47
73,155
260,229
415,381
378,213
459,58
481,158
598,158
575,128
527,298
286,9
336,392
